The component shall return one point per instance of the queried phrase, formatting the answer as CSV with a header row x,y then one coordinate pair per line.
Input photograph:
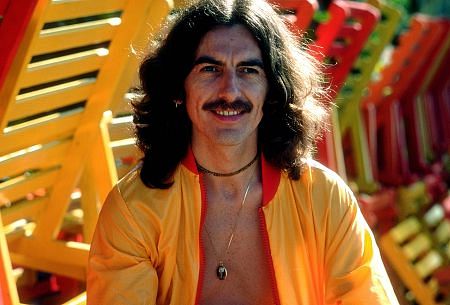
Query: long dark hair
x,y
293,110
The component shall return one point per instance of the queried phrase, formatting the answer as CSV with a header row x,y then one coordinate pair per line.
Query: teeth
x,y
227,113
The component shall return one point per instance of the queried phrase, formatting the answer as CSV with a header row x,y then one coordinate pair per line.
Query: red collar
x,y
270,175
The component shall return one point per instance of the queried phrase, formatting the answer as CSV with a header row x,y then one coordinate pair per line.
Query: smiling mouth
x,y
227,112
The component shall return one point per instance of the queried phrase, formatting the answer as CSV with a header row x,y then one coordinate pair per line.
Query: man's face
x,y
226,88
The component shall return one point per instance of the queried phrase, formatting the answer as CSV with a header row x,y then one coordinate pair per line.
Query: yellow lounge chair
x,y
75,59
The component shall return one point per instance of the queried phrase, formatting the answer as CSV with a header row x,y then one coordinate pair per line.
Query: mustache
x,y
236,105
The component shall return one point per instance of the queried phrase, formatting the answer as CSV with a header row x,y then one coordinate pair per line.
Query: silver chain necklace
x,y
221,270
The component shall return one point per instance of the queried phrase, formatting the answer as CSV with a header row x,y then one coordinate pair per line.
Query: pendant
x,y
221,271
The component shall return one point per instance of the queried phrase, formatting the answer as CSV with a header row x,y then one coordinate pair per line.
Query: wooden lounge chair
x,y
414,250
351,121
340,40
430,57
434,98
382,109
74,60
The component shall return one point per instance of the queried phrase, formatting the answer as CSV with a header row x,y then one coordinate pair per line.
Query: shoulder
x,y
143,201
132,188
320,173
121,200
131,185
133,207
134,192
322,178
131,199
322,188
316,175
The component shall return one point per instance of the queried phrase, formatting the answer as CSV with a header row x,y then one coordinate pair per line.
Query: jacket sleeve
x,y
119,270
355,271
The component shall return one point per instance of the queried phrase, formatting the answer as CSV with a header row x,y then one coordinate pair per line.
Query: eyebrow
x,y
210,60
207,60
252,62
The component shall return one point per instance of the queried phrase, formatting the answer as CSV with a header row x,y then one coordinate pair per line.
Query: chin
x,y
230,137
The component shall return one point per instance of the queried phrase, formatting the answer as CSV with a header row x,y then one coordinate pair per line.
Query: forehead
x,y
233,40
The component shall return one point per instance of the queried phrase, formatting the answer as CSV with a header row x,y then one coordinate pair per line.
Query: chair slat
x,y
35,158
60,127
420,244
65,249
121,128
405,229
77,35
428,264
50,98
125,148
442,233
123,106
69,9
17,188
67,269
26,209
63,67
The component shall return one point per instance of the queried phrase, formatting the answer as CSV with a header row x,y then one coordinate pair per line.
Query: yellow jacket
x,y
147,247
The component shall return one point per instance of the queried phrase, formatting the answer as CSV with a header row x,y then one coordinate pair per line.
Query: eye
x,y
209,68
249,70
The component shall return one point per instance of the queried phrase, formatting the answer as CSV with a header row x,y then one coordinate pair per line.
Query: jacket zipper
x,y
266,245
201,244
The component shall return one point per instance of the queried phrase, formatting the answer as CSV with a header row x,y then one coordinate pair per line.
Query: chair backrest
x,y
116,147
425,65
383,117
436,99
363,67
403,56
73,62
350,40
327,30
121,138
409,251
340,40
118,134
416,250
355,145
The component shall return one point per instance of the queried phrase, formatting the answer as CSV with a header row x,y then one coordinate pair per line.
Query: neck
x,y
228,174
233,187
227,159
230,161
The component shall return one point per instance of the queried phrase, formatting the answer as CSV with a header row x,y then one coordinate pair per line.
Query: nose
x,y
229,87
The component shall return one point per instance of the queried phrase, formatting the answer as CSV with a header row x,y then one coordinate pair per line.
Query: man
x,y
226,207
